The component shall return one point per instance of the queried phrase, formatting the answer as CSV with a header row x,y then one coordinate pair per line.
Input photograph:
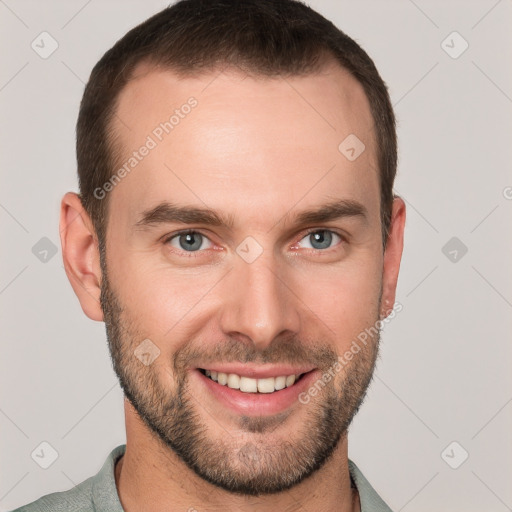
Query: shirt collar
x,y
370,500
104,490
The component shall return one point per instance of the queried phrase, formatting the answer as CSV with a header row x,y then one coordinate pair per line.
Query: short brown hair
x,y
267,37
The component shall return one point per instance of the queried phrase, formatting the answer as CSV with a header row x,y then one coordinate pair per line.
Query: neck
x,y
151,477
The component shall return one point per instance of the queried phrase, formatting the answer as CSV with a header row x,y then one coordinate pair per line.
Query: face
x,y
244,246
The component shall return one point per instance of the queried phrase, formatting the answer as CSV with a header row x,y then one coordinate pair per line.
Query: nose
x,y
259,302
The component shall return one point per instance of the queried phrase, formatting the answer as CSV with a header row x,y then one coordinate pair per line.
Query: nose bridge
x,y
258,303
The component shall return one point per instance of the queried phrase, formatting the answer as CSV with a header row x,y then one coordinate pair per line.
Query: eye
x,y
189,241
320,239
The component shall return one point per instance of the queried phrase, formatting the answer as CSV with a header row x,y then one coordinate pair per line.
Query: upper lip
x,y
257,372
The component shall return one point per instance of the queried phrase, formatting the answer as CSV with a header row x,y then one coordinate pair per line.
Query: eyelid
x,y
316,230
165,238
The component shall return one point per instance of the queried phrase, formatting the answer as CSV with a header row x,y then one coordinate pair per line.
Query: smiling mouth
x,y
249,385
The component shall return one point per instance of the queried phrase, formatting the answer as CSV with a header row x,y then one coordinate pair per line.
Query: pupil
x,y
192,241
323,238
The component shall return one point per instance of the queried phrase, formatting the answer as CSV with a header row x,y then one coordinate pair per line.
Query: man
x,y
236,230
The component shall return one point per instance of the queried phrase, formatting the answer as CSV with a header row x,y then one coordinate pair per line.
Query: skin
x,y
260,150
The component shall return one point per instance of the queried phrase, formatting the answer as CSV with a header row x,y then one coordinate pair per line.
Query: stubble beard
x,y
266,458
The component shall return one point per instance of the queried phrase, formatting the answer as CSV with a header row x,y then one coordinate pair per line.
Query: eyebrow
x,y
167,212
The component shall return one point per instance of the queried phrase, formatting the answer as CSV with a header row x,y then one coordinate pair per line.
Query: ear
x,y
393,256
81,254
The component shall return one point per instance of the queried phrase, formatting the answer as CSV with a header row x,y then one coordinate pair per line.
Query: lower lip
x,y
257,404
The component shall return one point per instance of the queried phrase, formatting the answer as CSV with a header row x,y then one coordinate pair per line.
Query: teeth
x,y
248,385
266,385
233,381
280,383
290,380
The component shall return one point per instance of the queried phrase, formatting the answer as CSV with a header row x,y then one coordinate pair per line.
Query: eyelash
x,y
194,254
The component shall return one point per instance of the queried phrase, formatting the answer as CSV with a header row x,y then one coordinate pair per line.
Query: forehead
x,y
224,139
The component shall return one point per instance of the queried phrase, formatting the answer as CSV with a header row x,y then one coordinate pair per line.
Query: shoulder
x,y
78,499
97,493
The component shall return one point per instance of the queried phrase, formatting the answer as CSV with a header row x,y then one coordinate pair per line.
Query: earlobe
x,y
393,256
81,255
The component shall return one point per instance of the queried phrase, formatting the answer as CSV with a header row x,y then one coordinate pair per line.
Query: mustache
x,y
289,350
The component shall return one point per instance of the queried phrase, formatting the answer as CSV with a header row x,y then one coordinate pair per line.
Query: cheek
x,y
346,300
161,300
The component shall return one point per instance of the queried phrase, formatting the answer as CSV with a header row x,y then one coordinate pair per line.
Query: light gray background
x,y
445,372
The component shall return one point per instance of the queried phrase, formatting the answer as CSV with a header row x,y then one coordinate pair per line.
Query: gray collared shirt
x,y
99,493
